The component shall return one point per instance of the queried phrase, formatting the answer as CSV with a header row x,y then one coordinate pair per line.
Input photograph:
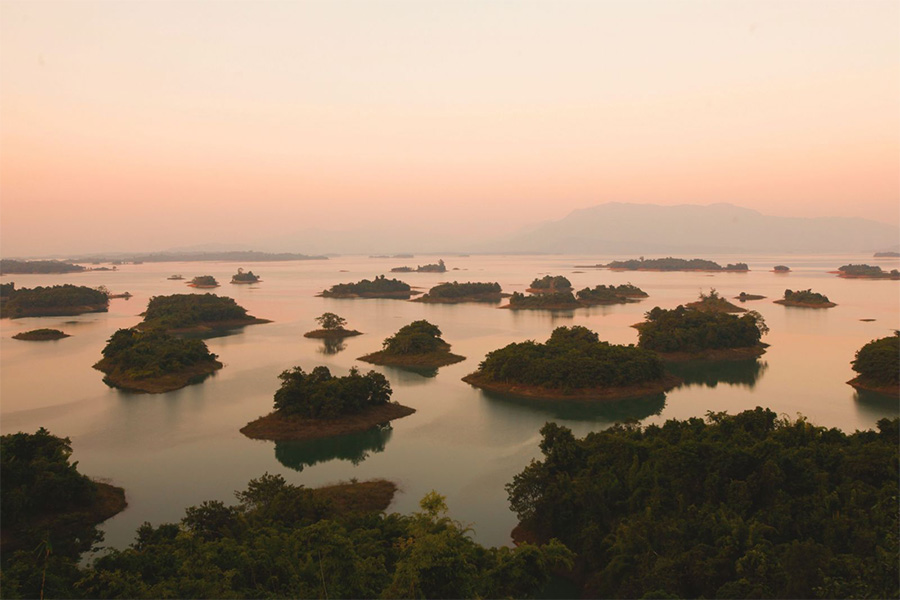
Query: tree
x,y
330,321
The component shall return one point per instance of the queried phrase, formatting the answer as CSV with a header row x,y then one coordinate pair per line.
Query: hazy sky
x,y
143,125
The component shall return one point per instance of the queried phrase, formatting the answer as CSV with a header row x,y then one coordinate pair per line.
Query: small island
x,y
56,301
154,361
549,284
10,266
196,313
244,278
781,269
674,264
331,327
455,293
319,405
175,277
611,294
43,494
380,287
888,254
572,364
565,300
438,267
866,272
204,282
683,334
543,301
744,297
41,335
713,302
418,344
805,299
878,365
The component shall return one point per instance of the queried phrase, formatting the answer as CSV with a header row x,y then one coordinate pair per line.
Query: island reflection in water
x,y
607,411
332,346
355,447
874,405
710,374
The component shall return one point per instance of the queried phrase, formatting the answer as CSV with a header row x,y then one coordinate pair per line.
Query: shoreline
x,y
804,304
277,428
432,360
666,383
715,354
331,334
890,390
162,384
38,335
58,311
206,326
367,295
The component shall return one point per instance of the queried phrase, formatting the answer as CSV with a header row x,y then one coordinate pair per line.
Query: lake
x,y
173,450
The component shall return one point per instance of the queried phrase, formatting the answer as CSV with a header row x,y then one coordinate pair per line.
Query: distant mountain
x,y
652,229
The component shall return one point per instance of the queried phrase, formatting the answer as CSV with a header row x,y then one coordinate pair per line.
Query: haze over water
x,y
173,450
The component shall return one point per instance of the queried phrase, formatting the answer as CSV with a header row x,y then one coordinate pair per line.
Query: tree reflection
x,y
711,373
356,447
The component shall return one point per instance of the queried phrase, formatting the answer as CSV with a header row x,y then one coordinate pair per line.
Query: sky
x,y
137,126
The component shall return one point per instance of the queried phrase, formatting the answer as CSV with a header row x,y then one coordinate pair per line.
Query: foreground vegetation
x,y
572,363
9,266
805,299
380,287
878,365
154,361
744,506
684,333
418,344
195,312
53,301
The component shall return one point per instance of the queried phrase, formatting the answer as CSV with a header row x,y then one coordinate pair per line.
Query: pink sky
x,y
144,125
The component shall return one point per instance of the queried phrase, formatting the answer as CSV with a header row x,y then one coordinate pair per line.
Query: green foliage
x,y
137,354
378,285
24,301
330,321
878,362
550,282
419,337
805,296
669,264
8,265
573,358
611,293
545,300
319,395
737,506
685,330
204,280
463,290
187,310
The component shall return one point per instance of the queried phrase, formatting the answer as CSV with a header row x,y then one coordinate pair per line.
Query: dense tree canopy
x,y
331,321
378,285
686,330
551,282
244,277
8,265
204,280
320,395
878,362
805,297
419,337
866,271
186,310
744,506
463,290
611,293
41,300
666,264
136,354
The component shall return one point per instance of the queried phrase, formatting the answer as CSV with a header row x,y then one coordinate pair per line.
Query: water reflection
x,y
332,346
411,374
615,411
710,374
354,447
874,405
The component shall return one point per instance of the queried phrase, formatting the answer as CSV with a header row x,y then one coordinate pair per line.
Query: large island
x,y
380,287
418,344
56,301
196,313
575,364
455,293
878,365
805,299
550,284
10,266
688,334
674,264
866,272
318,404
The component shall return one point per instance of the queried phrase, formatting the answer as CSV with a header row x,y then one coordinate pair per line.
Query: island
x,y
154,361
319,405
805,299
438,267
543,301
781,269
40,335
242,277
744,297
418,344
866,272
56,301
175,277
611,294
455,293
549,284
572,364
204,281
878,365
331,327
682,334
674,264
44,496
713,302
195,313
10,266
380,287
888,254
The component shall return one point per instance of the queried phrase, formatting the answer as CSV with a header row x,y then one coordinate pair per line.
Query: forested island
x,y
204,281
888,254
239,256
54,301
154,361
242,277
380,287
781,269
550,284
713,302
573,363
331,327
878,365
195,313
866,272
543,301
454,293
687,334
744,297
318,404
418,344
9,266
47,506
438,267
566,300
673,264
805,299
743,506
611,294
40,335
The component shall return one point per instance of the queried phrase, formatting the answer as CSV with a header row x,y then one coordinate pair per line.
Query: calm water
x,y
170,451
